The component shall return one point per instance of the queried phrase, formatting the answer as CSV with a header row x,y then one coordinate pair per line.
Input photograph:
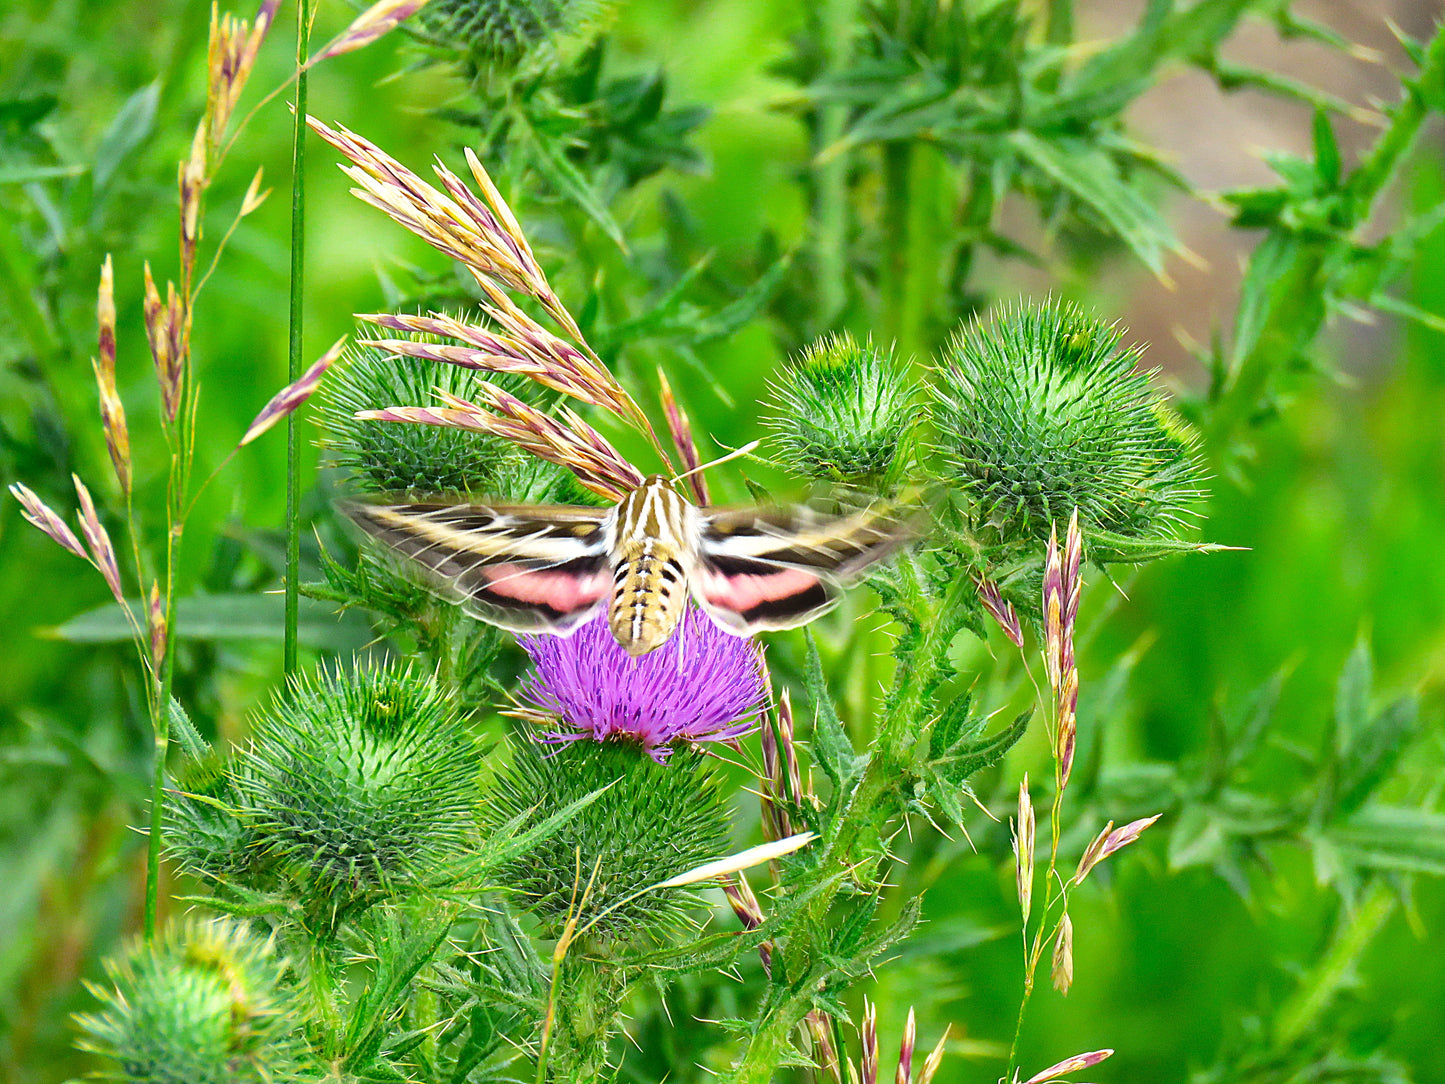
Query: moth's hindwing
x,y
528,569
779,568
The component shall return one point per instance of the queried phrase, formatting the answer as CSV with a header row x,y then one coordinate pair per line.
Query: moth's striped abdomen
x,y
648,594
650,575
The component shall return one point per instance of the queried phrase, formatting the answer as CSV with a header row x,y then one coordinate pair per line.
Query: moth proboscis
x,y
548,568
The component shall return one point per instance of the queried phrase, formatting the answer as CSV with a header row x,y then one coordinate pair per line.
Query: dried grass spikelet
x,y
484,236
1062,962
112,410
1055,1074
869,1066
387,458
679,427
1024,837
1062,586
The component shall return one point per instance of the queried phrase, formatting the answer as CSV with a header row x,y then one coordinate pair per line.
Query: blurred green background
x,y
1339,514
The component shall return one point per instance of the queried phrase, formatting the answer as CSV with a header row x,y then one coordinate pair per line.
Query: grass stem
x,y
298,267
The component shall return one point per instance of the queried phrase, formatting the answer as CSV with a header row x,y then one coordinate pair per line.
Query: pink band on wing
x,y
560,590
741,593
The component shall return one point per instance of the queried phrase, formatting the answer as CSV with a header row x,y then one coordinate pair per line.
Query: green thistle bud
x,y
359,785
203,1004
395,457
654,822
844,413
506,30
525,479
204,833
1043,413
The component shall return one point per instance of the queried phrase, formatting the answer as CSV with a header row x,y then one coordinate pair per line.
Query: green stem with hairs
x,y
298,265
1304,1007
1297,313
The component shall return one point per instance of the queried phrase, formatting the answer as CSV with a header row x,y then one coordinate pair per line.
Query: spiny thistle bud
x,y
1043,413
205,835
505,30
356,785
203,1004
653,822
843,413
389,457
525,479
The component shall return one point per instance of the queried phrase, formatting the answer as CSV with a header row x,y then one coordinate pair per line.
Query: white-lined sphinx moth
x,y
549,568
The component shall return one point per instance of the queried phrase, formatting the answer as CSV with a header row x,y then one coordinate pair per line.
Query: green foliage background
x,y
1184,956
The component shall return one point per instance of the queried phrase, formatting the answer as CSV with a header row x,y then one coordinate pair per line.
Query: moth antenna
x,y
746,449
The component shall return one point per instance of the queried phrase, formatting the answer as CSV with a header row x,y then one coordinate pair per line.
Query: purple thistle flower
x,y
702,685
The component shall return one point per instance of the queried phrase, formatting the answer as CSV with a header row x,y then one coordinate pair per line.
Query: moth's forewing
x,y
524,568
782,567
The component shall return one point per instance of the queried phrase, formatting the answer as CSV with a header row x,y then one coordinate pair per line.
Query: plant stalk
x,y
298,266
161,717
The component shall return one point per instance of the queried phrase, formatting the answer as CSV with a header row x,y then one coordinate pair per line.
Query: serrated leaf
x,y
21,174
1248,727
831,744
400,954
954,724
184,733
970,758
569,182
1197,839
1353,697
1372,755
1108,547
1393,838
1276,268
1163,34
665,315
1327,151
1093,178
733,316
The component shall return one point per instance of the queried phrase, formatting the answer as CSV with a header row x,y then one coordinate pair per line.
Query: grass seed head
x,y
387,457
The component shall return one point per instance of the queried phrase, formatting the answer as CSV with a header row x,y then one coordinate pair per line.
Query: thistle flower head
x,y
202,1004
652,822
399,458
701,685
356,784
505,30
1043,413
843,412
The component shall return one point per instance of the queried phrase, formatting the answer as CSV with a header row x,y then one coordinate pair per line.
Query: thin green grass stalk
x,y
160,709
832,212
298,267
